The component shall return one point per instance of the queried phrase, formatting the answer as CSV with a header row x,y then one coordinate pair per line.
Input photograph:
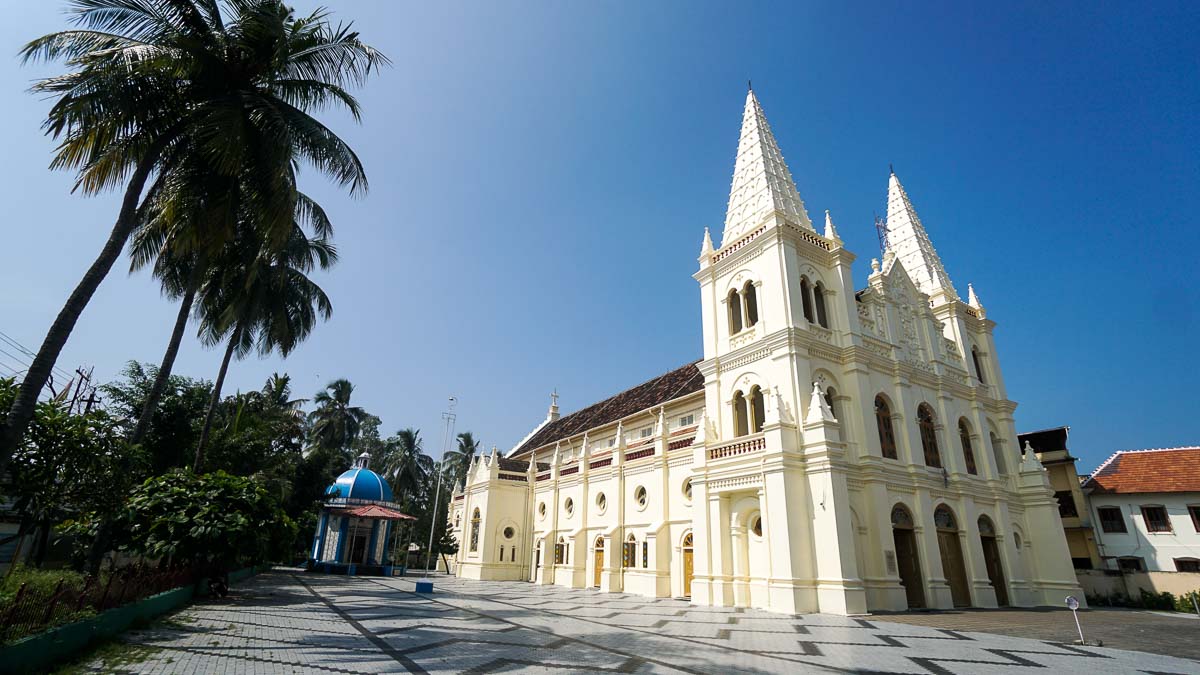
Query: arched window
x,y
629,552
560,552
750,298
943,518
978,366
901,518
475,530
887,435
964,438
929,444
735,313
998,453
819,301
806,298
830,397
741,415
757,409
986,528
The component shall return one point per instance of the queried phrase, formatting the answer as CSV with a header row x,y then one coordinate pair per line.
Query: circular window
x,y
542,509
601,502
756,526
687,489
639,496
569,506
509,532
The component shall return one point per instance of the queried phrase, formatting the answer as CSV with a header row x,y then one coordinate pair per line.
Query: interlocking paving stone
x,y
292,622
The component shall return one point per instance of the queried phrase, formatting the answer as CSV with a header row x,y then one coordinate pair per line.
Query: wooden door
x,y
954,568
991,558
598,562
687,566
909,567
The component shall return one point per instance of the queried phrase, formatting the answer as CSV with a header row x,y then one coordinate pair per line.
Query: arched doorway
x,y
598,561
687,565
952,556
907,563
991,559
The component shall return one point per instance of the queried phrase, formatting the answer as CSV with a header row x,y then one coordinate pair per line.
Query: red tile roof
x,y
664,388
375,511
1140,471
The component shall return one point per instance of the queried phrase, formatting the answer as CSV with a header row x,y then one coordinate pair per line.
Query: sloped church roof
x,y
649,394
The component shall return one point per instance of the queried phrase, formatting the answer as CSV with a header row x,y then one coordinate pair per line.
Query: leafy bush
x,y
1164,601
42,582
213,520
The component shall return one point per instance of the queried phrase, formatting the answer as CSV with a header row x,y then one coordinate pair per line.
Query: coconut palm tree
x,y
151,83
263,301
335,423
405,464
458,460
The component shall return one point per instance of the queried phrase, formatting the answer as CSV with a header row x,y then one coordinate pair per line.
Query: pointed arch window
x,y
750,300
735,312
978,365
887,435
806,299
741,414
964,438
929,444
819,301
629,552
475,531
757,409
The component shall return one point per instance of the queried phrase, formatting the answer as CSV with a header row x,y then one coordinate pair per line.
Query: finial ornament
x,y
830,230
891,171
706,248
875,265
749,86
818,408
554,397
362,461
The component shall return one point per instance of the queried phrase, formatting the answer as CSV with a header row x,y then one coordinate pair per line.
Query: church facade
x,y
836,450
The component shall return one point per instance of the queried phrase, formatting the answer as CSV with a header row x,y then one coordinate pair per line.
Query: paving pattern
x,y
303,623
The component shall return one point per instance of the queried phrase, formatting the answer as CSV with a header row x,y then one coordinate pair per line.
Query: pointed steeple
x,y
906,236
830,230
762,183
706,248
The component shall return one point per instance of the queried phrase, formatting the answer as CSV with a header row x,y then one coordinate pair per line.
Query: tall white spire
x,y
762,183
908,239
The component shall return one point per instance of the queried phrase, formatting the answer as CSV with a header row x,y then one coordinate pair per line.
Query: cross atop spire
x,y
907,238
762,183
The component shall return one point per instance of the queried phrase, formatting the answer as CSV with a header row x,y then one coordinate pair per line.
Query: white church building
x,y
836,450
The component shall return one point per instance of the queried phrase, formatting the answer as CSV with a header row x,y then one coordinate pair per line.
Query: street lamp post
x,y
447,433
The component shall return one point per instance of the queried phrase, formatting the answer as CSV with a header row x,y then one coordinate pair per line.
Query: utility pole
x,y
448,418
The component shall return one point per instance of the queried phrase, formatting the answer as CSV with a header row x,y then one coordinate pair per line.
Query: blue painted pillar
x,y
319,539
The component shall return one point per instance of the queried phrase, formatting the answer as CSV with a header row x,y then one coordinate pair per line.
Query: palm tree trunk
x,y
168,362
212,403
35,379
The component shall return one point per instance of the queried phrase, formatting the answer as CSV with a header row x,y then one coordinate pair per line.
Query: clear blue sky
x,y
541,175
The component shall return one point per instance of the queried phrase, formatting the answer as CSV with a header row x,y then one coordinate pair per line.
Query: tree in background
x,y
174,427
407,467
155,83
265,301
335,424
69,466
458,460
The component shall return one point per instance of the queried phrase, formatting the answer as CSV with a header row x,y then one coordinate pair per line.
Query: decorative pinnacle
x,y
830,230
706,248
818,409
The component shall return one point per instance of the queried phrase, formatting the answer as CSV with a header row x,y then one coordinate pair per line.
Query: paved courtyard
x,y
294,622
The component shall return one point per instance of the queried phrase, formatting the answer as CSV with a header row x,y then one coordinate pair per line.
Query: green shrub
x,y
40,581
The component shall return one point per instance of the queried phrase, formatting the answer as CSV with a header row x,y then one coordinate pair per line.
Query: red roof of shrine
x,y
375,511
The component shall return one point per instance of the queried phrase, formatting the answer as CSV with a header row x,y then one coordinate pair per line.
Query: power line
x,y
29,353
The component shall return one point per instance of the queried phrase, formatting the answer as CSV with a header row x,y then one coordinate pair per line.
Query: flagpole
x,y
447,433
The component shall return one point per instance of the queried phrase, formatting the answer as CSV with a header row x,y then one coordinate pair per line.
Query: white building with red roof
x,y
835,450
1146,504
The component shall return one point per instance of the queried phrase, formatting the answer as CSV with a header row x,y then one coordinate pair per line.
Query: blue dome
x,y
360,484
